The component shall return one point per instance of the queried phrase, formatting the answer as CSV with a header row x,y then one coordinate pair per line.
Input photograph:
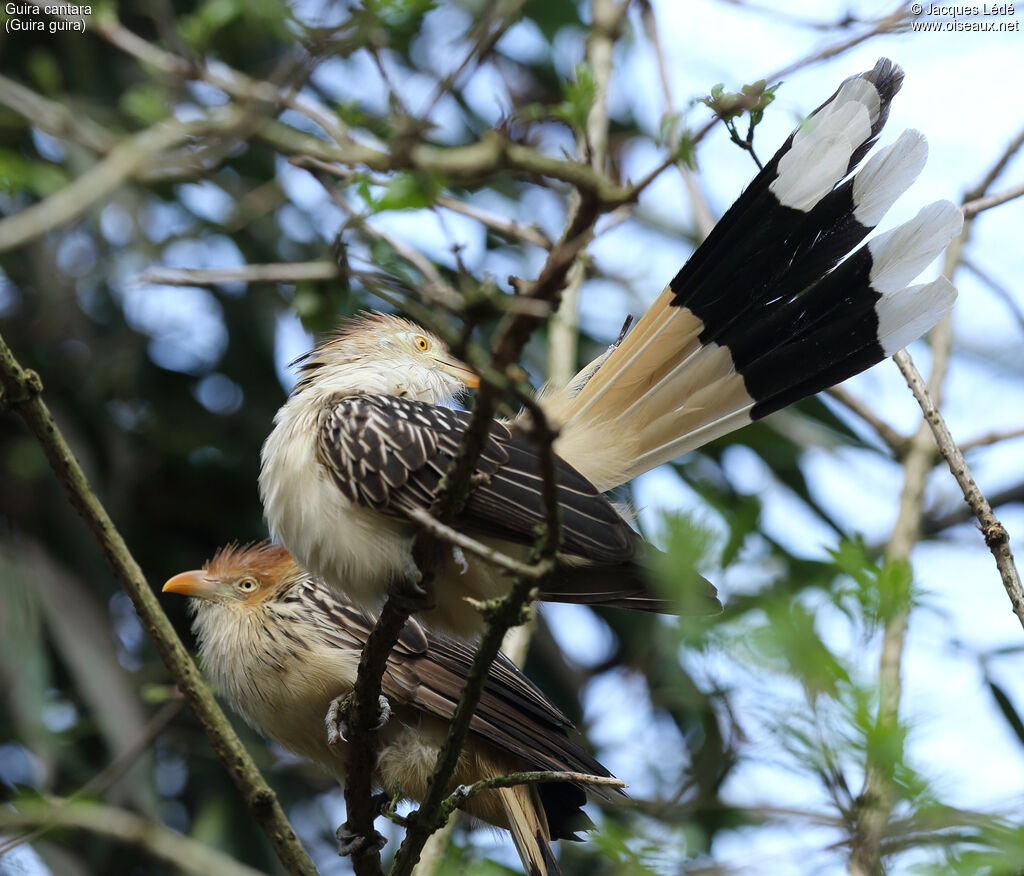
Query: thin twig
x,y
363,715
436,289
463,793
879,26
995,534
21,393
440,530
981,189
896,442
483,46
990,438
526,233
973,208
1001,292
883,25
936,524
284,272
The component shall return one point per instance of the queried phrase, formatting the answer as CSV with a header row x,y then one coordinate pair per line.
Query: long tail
x,y
760,316
529,829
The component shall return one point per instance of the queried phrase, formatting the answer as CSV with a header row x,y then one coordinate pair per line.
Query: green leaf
x,y
399,15
879,592
580,94
689,546
1007,708
789,640
551,16
198,28
19,174
407,191
686,151
145,103
44,71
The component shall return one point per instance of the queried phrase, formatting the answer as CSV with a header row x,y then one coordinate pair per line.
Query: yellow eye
x,y
246,584
422,344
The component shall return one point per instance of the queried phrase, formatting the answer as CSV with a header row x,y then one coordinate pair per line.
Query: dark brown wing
x,y
513,715
428,671
390,454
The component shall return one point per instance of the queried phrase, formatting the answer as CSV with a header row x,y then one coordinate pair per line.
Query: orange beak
x,y
470,379
194,584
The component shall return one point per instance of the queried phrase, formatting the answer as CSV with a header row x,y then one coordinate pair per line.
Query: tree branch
x,y
527,234
936,524
465,792
21,393
896,442
973,208
286,272
431,524
54,118
181,852
990,438
402,601
873,807
995,534
219,75
124,160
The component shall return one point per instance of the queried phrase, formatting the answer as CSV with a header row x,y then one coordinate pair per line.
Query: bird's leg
x,y
336,719
349,843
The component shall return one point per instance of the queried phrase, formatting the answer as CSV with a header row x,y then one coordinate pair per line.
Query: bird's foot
x,y
350,843
411,591
381,800
336,719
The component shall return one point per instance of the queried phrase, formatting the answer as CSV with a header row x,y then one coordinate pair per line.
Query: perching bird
x,y
280,646
762,315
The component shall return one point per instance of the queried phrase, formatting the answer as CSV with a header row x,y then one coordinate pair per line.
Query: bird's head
x,y
380,354
243,576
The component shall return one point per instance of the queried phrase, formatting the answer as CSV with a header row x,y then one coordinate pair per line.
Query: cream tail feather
x,y
529,829
767,311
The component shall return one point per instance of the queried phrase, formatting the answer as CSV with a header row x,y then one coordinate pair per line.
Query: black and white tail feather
x,y
766,311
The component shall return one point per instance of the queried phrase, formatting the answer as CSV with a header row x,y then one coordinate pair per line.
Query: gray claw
x,y
337,727
349,843
384,705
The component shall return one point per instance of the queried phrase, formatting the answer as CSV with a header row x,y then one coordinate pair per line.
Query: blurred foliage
x,y
166,394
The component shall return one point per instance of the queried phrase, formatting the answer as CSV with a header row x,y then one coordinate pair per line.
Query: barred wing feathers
x,y
428,671
390,454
